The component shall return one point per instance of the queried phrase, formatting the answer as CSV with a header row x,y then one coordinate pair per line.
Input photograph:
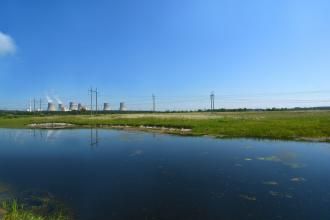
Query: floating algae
x,y
294,165
273,193
270,183
297,179
286,159
249,198
280,195
271,158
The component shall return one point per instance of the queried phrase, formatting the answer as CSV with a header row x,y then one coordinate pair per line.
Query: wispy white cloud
x,y
7,45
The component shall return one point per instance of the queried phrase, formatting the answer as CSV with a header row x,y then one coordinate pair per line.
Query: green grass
x,y
297,125
14,211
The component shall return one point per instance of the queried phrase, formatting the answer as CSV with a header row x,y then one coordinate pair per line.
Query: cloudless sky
x,y
258,52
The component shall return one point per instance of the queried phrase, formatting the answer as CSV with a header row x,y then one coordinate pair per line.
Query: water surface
x,y
107,174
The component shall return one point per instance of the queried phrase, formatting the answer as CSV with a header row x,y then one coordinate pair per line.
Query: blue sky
x,y
253,53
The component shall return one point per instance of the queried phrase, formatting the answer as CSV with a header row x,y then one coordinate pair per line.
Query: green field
x,y
290,125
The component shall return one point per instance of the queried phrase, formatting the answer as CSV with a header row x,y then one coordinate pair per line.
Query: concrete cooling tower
x,y
51,107
106,107
122,106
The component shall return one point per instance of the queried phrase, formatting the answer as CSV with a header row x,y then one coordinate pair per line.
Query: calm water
x,y
108,174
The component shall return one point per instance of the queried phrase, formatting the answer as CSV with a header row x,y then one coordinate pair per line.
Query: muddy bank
x,y
153,129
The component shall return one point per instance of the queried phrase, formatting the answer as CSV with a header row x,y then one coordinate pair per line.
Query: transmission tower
x,y
91,92
153,103
212,100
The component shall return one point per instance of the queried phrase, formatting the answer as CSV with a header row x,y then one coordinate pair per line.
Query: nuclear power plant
x,y
51,107
73,106
106,107
56,104
122,106
61,107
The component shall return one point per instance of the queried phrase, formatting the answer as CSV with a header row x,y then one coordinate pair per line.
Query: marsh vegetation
x,y
288,125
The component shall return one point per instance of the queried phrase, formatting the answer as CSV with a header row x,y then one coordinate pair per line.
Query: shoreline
x,y
167,130
311,126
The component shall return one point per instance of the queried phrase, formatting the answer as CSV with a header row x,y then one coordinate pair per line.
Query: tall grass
x,y
313,125
14,211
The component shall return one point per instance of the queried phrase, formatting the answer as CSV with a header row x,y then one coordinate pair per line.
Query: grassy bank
x,y
13,211
299,125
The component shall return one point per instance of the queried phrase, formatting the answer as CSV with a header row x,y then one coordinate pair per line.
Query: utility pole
x,y
212,101
40,105
91,93
96,99
153,103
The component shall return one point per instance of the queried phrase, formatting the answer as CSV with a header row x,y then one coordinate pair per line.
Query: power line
x,y
153,103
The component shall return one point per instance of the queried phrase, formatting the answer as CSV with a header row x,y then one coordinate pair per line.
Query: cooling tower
x,y
73,106
122,106
51,107
106,107
61,108
80,107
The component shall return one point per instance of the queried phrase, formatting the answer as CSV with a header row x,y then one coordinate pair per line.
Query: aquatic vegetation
x,y
248,159
249,198
15,211
297,179
287,160
270,158
280,195
33,205
294,165
273,193
271,183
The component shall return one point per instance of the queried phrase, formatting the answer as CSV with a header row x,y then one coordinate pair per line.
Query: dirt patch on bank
x,y
51,125
153,129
